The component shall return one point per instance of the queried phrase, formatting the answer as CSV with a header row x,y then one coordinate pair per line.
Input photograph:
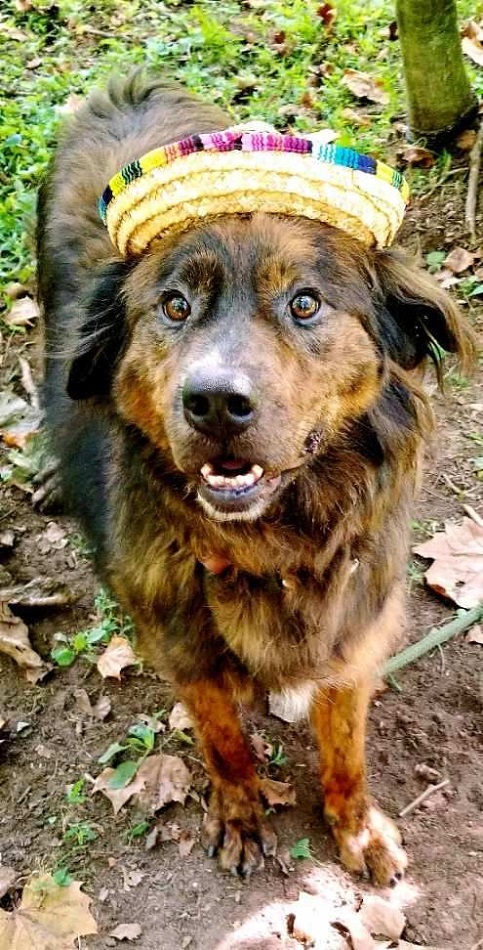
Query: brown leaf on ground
x,y
186,842
472,42
457,569
49,917
22,313
416,155
466,140
116,656
380,917
117,796
459,260
127,932
179,718
475,635
14,641
364,86
166,779
102,708
277,793
327,14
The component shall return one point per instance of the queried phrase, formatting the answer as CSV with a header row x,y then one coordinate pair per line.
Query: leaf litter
x,y
457,568
14,641
159,780
49,917
117,655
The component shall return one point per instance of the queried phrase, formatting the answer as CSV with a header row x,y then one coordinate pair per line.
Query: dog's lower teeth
x,y
233,481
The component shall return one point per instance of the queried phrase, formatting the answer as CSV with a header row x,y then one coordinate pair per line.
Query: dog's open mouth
x,y
232,487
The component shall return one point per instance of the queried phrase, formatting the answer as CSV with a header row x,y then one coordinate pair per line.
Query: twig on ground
x,y
473,515
422,797
454,488
28,383
473,178
434,638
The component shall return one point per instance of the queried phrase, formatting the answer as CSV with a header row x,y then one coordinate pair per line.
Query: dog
x,y
238,416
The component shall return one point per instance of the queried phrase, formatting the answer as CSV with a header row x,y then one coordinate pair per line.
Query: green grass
x,y
215,47
278,61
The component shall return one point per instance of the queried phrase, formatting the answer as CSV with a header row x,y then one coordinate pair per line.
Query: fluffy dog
x,y
239,423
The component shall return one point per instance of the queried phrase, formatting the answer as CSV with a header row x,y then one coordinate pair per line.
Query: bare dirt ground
x,y
429,731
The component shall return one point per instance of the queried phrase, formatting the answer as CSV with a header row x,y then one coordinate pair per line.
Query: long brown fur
x,y
306,592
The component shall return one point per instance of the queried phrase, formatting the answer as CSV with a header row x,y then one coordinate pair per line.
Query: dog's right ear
x,y
103,335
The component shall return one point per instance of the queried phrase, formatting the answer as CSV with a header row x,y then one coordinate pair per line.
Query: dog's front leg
x,y
368,840
234,825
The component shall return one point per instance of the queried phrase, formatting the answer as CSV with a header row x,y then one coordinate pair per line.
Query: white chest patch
x,y
292,704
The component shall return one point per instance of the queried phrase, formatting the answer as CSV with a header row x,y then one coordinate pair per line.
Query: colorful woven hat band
x,y
240,171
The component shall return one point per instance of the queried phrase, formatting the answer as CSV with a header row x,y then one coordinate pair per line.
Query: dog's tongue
x,y
232,465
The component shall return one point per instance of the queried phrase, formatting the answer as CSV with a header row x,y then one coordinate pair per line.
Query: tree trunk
x,y
440,98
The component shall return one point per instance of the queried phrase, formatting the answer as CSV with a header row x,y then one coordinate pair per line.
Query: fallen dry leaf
x,y
179,718
49,917
459,260
360,939
83,702
417,155
457,569
117,796
466,140
126,932
277,793
166,779
380,917
364,86
475,635
102,708
116,656
54,538
472,42
14,641
186,842
23,312
131,878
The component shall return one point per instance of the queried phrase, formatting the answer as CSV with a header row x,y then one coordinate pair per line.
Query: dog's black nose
x,y
218,403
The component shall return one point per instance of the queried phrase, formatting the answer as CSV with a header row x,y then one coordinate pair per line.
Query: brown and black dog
x,y
239,424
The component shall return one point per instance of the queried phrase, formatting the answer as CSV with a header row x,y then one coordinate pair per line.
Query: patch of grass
x,y
280,62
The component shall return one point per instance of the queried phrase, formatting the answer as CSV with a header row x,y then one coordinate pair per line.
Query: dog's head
x,y
244,347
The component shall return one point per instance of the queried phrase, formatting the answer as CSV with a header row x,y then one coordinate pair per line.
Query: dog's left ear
x,y
102,337
416,318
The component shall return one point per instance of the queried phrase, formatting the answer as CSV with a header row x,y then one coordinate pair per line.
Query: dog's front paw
x,y
235,830
371,845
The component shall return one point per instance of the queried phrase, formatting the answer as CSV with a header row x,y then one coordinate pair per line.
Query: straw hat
x,y
251,168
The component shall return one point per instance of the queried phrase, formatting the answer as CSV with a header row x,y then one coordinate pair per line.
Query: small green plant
x,y
277,756
415,573
79,833
75,793
435,260
139,742
301,849
62,877
85,642
138,830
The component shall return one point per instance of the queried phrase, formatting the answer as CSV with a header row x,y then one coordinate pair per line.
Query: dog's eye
x,y
176,308
304,306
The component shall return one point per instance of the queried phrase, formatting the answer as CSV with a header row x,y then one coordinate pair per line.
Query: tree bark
x,y
440,99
